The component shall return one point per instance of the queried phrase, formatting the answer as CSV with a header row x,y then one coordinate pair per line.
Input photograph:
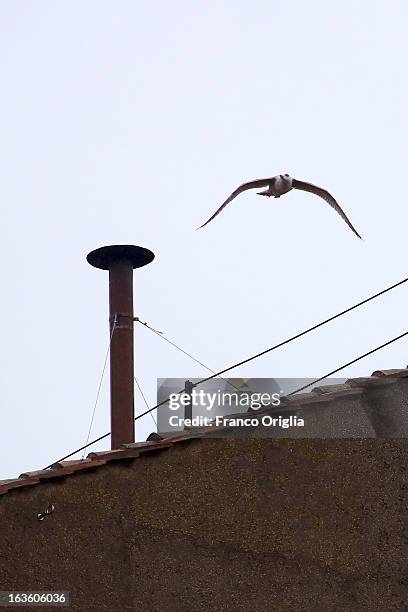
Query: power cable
x,y
204,380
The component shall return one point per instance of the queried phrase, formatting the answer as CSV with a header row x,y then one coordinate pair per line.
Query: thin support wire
x,y
292,393
100,384
303,333
161,335
145,400
305,386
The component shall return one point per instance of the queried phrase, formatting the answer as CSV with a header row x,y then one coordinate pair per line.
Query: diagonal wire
x,y
307,331
381,346
308,385
349,363
163,337
100,385
145,400
272,348
156,331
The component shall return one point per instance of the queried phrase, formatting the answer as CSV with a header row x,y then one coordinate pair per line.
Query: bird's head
x,y
287,180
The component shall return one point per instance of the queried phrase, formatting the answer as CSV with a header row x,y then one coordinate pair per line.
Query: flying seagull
x,y
279,185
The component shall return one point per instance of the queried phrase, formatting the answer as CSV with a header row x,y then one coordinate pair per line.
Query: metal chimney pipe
x,y
120,260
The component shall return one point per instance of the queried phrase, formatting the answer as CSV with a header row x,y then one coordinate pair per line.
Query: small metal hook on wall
x,y
41,515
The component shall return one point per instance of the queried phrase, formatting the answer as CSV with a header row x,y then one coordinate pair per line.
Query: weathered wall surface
x,y
235,525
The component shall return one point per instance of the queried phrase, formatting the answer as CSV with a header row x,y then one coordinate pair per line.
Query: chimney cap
x,y
103,257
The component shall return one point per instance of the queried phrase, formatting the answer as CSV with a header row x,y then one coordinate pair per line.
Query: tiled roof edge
x,y
156,442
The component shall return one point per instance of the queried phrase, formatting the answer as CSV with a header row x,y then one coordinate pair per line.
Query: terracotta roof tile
x,y
15,484
158,442
76,466
175,437
342,388
66,464
304,399
391,373
129,451
371,381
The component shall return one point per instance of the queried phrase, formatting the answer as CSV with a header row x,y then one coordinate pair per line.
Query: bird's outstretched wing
x,y
327,197
234,194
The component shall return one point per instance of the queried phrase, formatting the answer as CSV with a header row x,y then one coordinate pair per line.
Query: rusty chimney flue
x,y
121,260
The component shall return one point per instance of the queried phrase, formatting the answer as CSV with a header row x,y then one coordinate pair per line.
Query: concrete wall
x,y
241,525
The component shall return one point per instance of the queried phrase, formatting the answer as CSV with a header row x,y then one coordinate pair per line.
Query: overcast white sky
x,y
130,122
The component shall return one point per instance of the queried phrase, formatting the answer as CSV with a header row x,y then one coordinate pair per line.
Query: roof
x,y
159,442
